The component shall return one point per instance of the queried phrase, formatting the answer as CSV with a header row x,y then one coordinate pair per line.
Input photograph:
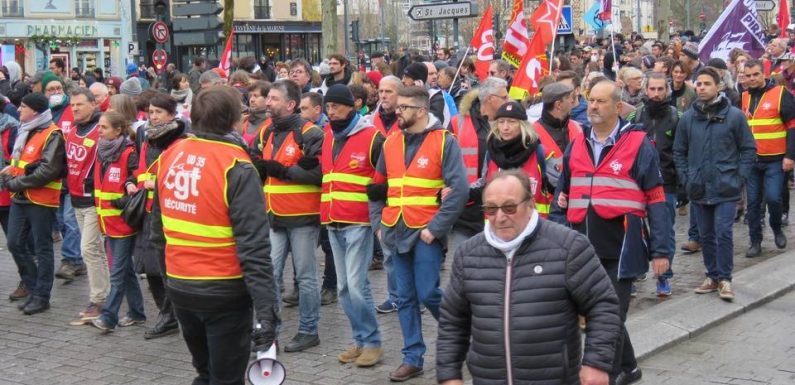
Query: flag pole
x,y
460,65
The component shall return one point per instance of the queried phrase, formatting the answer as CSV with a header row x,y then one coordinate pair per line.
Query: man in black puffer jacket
x,y
514,295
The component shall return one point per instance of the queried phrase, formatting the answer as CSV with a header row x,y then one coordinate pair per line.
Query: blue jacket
x,y
633,240
580,112
713,152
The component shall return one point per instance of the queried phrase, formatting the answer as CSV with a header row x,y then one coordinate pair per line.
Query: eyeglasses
x,y
404,107
508,209
297,72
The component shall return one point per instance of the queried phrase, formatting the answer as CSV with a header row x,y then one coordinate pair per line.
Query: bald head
x,y
433,74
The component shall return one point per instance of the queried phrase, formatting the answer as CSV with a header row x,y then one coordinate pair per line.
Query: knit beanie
x,y
513,110
339,94
131,87
691,50
417,71
47,78
36,101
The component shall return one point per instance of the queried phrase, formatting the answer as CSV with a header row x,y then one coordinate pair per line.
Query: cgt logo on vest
x,y
616,166
183,182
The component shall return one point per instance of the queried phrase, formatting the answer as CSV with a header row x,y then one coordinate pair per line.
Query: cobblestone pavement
x,y
754,348
44,349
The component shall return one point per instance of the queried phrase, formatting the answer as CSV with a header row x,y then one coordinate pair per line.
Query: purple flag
x,y
737,27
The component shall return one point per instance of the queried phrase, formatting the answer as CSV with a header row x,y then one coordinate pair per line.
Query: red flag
x,y
483,45
606,11
226,57
516,42
545,19
535,65
783,17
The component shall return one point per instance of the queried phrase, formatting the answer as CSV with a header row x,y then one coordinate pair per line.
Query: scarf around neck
x,y
509,248
41,120
510,154
110,150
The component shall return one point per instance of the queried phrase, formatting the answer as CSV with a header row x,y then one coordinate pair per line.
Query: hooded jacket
x,y
471,220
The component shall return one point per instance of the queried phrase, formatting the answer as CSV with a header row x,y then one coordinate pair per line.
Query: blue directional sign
x,y
564,27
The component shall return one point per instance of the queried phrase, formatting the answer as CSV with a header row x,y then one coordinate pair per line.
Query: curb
x,y
681,319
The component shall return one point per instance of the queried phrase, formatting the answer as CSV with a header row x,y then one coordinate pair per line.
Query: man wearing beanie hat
x,y
131,87
35,177
134,73
351,147
555,129
689,57
114,85
416,74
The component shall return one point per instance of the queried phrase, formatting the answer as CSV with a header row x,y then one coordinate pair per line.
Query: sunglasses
x,y
508,209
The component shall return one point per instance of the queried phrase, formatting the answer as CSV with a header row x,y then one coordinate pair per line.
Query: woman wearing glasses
x,y
512,143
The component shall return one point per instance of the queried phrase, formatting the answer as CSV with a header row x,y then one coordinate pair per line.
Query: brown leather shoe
x,y
20,293
725,291
405,372
709,286
691,247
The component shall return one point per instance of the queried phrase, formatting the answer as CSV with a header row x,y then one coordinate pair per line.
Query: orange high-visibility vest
x,y
379,124
608,187
287,198
108,188
412,191
191,189
50,194
769,131
345,180
546,140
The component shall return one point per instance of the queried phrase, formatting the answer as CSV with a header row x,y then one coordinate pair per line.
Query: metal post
x,y
637,15
382,24
455,30
345,29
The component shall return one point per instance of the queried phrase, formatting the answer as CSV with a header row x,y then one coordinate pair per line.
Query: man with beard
x,y
258,115
339,73
659,119
286,154
416,163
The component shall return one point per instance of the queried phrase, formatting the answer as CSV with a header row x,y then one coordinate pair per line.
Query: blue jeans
x,y
36,266
766,178
329,272
692,231
389,268
123,282
417,276
715,226
670,203
353,250
301,242
70,248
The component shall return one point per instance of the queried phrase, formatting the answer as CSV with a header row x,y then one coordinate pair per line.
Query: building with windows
x,y
84,33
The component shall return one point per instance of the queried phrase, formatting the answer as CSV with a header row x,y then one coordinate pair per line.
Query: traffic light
x,y
354,31
161,7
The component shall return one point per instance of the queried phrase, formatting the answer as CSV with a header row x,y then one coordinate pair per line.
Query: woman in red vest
x,y
8,132
117,160
512,143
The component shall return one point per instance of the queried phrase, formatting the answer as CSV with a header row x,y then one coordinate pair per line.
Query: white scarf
x,y
41,120
509,248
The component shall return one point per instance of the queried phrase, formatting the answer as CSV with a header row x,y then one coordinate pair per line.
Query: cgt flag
x,y
483,45
545,19
783,18
737,27
535,65
516,42
226,57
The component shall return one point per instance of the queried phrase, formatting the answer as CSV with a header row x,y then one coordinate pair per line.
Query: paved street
x,y
44,349
754,348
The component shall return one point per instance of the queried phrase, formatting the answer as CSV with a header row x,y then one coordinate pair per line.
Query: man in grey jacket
x,y
415,165
510,309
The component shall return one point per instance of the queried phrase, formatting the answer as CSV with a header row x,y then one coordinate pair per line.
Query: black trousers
x,y
219,343
625,354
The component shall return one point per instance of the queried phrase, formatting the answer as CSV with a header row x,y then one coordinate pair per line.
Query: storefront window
x,y
314,48
271,46
294,47
244,45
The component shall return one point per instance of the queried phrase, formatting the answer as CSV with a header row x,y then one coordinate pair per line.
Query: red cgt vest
x,y
107,188
464,131
345,180
608,188
533,170
552,147
81,154
5,195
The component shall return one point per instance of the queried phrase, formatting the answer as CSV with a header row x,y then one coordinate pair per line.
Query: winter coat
x,y
554,276
713,151
661,131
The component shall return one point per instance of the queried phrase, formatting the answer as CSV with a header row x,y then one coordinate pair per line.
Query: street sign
x,y
442,11
159,58
564,26
198,23
192,9
132,48
160,32
765,5
196,38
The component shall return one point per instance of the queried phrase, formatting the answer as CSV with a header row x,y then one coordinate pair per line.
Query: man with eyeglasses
x,y
611,189
301,74
528,250
501,69
416,163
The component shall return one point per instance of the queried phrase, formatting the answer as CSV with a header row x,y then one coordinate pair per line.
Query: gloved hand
x,y
376,192
31,167
308,162
259,164
4,178
275,169
262,336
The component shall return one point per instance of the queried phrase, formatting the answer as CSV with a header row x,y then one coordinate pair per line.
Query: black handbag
x,y
133,210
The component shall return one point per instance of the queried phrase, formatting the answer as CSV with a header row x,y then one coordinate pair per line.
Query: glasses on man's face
x,y
297,72
508,209
404,107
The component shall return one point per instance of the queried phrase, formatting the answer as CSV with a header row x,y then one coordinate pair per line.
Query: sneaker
x,y
708,286
369,357
633,291
21,292
92,312
102,325
663,287
386,307
641,277
127,321
66,271
725,291
350,355
301,342
691,247
291,299
626,378
328,297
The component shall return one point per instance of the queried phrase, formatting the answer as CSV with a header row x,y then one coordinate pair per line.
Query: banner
x,y
783,18
483,45
592,20
534,66
226,56
737,27
516,42
606,10
545,19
